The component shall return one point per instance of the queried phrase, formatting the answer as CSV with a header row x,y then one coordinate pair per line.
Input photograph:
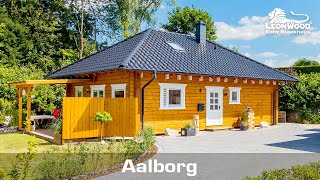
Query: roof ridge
x,y
170,32
94,53
253,60
127,60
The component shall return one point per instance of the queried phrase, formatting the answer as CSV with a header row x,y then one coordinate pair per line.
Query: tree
x,y
183,20
234,49
306,62
302,97
125,17
102,117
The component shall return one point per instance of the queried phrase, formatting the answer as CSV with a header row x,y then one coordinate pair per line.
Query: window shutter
x,y
165,97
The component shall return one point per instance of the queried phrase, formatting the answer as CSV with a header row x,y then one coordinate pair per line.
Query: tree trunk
x,y
81,30
95,35
101,131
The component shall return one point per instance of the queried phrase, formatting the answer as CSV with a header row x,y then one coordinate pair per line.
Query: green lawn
x,y
17,143
13,143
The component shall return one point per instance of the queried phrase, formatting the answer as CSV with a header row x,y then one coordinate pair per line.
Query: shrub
x,y
308,171
244,116
75,161
57,127
189,125
2,174
21,168
146,139
102,117
83,158
302,97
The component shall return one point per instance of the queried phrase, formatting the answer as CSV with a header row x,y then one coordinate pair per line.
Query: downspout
x,y
154,76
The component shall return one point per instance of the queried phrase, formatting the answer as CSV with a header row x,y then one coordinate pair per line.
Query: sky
x,y
241,23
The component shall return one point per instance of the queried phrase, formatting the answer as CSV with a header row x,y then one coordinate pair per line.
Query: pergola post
x,y
28,108
20,107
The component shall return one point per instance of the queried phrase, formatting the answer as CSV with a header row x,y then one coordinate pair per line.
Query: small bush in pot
x,y
102,117
57,131
244,120
188,130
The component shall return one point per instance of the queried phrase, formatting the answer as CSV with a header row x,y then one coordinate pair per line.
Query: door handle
x,y
219,107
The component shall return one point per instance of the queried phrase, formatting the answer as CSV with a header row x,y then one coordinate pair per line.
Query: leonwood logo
x,y
280,24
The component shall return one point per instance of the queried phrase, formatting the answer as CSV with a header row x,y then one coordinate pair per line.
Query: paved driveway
x,y
283,138
235,154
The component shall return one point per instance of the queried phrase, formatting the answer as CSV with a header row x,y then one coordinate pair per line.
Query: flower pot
x,y
188,131
33,127
243,126
57,138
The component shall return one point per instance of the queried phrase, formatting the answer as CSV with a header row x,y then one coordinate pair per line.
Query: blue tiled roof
x,y
149,50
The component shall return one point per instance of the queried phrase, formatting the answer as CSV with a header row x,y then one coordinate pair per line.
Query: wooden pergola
x,y
29,85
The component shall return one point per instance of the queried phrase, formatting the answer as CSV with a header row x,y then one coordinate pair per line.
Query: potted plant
x,y
102,117
57,131
244,120
188,130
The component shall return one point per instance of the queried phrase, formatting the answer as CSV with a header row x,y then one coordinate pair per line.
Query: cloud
x,y
271,54
247,54
245,46
248,28
273,62
312,38
279,62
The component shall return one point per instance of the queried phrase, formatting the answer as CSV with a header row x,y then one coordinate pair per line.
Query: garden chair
x,y
6,122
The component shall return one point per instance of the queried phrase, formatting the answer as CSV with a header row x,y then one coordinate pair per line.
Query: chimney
x,y
201,32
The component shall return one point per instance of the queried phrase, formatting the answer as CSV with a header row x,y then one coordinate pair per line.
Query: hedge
x,y
309,171
300,69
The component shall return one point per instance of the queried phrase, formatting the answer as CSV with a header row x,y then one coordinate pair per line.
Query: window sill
x,y
172,108
234,103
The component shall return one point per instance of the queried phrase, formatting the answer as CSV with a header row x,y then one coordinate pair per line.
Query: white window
x,y
118,90
234,95
78,91
172,96
98,90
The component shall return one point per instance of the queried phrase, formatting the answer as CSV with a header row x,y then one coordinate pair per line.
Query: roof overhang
x,y
47,82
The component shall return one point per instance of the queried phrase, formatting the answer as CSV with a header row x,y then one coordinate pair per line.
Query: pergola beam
x,y
31,83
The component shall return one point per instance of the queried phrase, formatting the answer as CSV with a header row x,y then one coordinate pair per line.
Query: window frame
x,y
77,88
172,86
98,87
238,91
115,87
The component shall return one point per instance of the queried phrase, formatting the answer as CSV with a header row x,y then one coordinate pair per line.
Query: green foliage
x,y
83,158
183,20
102,117
244,116
77,160
306,62
189,125
2,174
295,70
146,139
124,18
21,168
302,97
308,171
57,127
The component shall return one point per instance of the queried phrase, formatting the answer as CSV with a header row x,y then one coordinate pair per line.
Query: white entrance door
x,y
214,109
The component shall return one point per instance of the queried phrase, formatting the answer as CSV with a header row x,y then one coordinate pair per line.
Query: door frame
x,y
220,90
